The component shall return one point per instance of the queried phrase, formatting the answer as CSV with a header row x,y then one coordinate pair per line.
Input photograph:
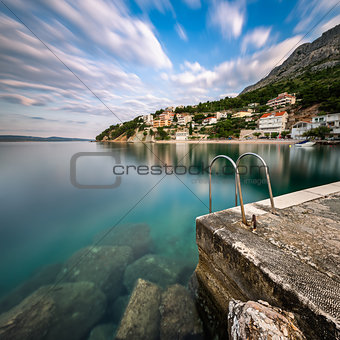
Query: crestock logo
x,y
73,170
201,171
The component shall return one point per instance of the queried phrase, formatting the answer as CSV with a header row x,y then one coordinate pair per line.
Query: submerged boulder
x,y
179,317
103,332
42,277
260,321
136,236
116,309
66,311
154,268
141,318
103,266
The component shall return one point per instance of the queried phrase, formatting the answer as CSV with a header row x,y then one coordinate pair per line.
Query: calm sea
x,y
45,218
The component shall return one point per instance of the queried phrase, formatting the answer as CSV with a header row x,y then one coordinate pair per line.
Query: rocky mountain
x,y
322,53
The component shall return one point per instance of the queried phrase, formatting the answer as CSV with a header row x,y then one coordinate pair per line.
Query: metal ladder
x,y
238,191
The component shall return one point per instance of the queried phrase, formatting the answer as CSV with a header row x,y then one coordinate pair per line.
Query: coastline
x,y
205,141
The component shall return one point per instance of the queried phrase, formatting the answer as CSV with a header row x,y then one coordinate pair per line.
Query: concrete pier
x,y
291,260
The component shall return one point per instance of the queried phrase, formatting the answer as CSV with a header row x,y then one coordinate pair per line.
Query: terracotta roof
x,y
265,115
278,114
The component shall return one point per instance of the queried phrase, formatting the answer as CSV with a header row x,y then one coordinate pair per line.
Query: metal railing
x,y
238,191
237,184
267,177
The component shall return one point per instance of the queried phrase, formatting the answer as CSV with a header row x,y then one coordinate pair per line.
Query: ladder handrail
x,y
267,176
237,185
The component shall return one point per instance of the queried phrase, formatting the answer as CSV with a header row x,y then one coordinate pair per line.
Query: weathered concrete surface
x,y
260,321
141,318
291,261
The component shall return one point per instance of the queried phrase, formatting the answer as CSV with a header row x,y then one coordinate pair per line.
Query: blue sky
x,y
138,56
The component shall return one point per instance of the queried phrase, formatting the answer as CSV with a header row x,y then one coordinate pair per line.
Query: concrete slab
x,y
292,260
288,200
325,190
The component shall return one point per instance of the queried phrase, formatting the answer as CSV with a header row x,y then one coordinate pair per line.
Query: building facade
x,y
283,99
331,120
182,135
273,122
148,119
300,128
209,121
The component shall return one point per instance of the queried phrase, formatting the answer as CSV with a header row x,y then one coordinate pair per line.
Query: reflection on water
x,y
45,220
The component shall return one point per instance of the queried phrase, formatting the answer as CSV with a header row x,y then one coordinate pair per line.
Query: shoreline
x,y
205,141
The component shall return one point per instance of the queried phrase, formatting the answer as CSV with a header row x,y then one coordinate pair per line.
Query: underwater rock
x,y
154,268
117,308
258,320
43,276
66,311
102,265
136,236
179,317
103,332
141,318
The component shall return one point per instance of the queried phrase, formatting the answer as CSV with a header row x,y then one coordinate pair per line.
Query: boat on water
x,y
305,144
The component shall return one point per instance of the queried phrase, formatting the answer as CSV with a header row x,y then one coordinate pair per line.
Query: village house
x,y
283,99
242,114
182,135
299,128
209,121
183,119
273,122
148,119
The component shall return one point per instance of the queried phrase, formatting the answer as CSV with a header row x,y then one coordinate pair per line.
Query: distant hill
x,y
322,53
13,138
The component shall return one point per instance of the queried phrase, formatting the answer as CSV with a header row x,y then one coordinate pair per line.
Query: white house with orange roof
x,y
283,99
273,122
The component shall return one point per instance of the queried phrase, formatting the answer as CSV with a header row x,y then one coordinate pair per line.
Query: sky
x,y
73,68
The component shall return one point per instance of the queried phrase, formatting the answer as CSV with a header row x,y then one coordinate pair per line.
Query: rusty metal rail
x,y
267,177
238,191
237,185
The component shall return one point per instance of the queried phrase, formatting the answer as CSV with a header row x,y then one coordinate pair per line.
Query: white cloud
x,y
181,32
233,74
19,99
194,4
329,24
34,82
258,37
310,11
160,5
229,17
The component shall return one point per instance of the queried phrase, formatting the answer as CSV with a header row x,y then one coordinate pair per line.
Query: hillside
x,y
312,72
322,53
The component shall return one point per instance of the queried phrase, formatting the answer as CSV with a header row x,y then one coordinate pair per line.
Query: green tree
x,y
175,118
151,133
267,134
257,134
145,133
320,132
284,134
190,129
274,135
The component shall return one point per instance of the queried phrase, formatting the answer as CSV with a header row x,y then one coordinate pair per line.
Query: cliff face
x,y
321,53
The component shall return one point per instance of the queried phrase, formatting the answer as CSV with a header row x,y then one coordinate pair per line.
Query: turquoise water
x,y
44,219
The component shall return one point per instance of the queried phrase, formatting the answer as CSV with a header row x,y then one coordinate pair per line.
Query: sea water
x,y
57,197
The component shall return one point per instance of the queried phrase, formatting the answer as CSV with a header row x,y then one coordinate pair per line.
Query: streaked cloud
x,y
228,17
181,33
231,75
256,38
194,4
